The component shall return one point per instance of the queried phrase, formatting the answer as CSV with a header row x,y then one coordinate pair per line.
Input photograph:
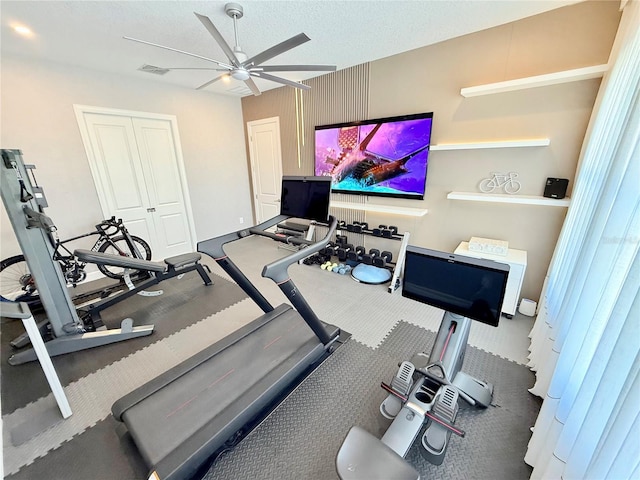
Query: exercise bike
x,y
17,282
426,389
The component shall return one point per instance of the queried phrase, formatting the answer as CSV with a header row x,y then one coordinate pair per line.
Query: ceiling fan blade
x,y
198,68
252,85
204,85
208,24
229,67
269,53
284,81
295,68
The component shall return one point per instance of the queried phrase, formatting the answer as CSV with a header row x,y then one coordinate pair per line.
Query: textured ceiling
x,y
344,33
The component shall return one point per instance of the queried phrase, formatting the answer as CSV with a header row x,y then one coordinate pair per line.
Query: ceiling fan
x,y
240,66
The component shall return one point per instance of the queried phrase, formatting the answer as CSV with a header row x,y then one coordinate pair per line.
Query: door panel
x,y
266,166
160,166
172,227
120,174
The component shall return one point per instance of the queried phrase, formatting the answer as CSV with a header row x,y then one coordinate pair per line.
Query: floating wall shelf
x,y
368,207
555,78
505,198
533,142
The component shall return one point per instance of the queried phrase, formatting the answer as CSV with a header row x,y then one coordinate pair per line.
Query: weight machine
x,y
24,202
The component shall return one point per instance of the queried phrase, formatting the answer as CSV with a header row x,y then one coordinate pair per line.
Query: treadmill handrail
x,y
277,270
214,248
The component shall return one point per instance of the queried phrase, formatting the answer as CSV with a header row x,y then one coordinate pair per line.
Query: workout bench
x,y
159,271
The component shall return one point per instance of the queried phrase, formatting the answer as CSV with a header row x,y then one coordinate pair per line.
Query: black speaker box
x,y
556,187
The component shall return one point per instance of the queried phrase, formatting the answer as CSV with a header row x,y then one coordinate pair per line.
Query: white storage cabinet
x,y
517,261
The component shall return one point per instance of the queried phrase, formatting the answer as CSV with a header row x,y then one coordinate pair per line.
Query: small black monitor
x,y
306,197
470,287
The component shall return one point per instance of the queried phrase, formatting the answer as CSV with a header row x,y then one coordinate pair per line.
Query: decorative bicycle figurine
x,y
501,180
113,237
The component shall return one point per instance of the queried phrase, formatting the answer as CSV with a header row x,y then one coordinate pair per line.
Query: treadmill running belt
x,y
178,426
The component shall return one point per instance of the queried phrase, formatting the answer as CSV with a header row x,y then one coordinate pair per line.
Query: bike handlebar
x,y
112,222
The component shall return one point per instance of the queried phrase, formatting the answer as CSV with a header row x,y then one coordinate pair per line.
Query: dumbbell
x,y
341,240
328,266
382,260
389,232
344,270
377,232
343,251
356,254
367,258
338,267
312,259
357,227
329,250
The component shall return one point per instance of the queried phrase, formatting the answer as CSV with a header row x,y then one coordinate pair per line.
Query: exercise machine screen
x,y
306,197
470,287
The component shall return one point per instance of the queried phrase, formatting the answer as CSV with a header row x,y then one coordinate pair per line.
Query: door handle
x,y
151,210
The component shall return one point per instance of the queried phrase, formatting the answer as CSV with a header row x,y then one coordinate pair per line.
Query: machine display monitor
x,y
306,197
470,287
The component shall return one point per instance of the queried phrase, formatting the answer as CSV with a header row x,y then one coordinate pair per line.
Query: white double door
x,y
137,167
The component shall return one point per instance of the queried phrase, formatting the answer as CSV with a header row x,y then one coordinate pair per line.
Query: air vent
x,y
240,90
153,69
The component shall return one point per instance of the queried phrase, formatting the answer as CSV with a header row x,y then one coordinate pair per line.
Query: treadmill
x,y
209,402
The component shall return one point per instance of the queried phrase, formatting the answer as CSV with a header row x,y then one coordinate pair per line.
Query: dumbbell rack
x,y
382,231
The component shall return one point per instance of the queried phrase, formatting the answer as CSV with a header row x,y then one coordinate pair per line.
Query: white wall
x,y
38,118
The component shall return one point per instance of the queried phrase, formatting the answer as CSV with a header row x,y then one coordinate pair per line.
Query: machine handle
x,y
277,271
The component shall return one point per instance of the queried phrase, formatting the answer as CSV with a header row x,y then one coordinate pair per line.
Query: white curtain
x,y
585,345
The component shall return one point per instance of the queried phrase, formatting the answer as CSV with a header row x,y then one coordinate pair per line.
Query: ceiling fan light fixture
x,y
240,74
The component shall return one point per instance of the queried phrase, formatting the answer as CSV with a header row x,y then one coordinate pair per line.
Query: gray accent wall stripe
x,y
341,96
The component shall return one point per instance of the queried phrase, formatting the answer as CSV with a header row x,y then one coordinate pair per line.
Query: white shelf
x,y
505,198
533,142
555,78
369,207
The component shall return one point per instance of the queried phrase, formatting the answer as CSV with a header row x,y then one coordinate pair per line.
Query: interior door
x,y
120,177
157,151
137,172
266,166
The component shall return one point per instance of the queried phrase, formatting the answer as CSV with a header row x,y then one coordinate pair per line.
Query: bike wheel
x,y
118,272
487,185
16,281
512,187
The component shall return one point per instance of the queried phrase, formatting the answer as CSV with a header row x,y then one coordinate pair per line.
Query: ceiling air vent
x,y
153,69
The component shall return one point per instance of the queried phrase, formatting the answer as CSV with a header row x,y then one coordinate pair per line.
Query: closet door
x,y
136,169
157,151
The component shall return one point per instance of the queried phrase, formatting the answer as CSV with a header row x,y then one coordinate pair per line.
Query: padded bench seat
x,y
364,456
294,226
177,261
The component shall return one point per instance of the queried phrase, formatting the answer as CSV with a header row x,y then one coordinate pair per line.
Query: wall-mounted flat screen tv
x,y
470,287
306,197
385,157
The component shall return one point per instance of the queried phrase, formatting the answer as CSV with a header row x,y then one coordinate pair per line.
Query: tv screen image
x,y
306,197
385,157
466,286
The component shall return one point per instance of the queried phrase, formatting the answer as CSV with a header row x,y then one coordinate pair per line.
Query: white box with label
x,y
517,261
